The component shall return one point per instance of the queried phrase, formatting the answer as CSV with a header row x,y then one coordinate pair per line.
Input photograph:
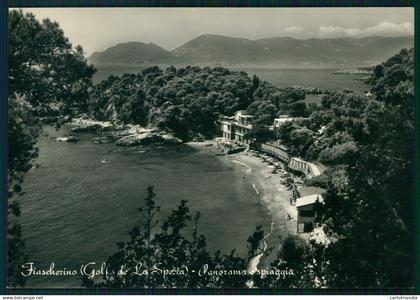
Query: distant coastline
x,y
357,71
221,50
232,66
320,77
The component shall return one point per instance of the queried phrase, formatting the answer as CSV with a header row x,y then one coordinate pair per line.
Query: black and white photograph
x,y
211,148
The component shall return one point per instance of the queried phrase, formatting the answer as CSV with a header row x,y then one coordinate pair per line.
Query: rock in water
x,y
171,140
147,138
88,125
139,139
72,139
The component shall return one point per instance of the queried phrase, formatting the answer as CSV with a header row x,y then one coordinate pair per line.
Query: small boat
x,y
105,161
69,139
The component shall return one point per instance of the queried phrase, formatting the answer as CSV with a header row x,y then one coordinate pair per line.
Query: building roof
x,y
299,159
278,146
315,171
249,126
311,199
241,112
310,190
226,118
283,119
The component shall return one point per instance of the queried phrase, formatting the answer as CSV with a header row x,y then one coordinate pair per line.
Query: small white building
x,y
280,120
306,212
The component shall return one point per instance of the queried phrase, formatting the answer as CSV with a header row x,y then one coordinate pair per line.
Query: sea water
x,y
75,208
281,77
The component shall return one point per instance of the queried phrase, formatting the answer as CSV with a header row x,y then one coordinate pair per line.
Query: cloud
x,y
294,29
382,28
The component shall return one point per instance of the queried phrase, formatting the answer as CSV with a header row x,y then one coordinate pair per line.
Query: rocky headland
x,y
124,135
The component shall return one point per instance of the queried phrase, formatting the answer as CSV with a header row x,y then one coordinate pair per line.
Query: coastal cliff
x,y
125,135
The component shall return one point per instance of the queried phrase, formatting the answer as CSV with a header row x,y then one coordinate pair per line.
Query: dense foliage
x,y
367,141
47,77
45,67
169,246
189,101
369,204
172,254
23,132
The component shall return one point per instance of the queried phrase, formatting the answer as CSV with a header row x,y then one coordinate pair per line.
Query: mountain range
x,y
211,49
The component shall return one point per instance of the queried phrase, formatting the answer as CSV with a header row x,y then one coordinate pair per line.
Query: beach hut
x,y
306,212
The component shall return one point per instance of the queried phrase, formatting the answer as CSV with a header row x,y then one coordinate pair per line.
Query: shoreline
x,y
273,195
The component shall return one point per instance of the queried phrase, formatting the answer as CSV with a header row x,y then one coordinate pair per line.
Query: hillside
x,y
133,53
290,51
221,49
278,51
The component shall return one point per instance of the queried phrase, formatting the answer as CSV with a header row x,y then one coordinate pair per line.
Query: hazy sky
x,y
98,28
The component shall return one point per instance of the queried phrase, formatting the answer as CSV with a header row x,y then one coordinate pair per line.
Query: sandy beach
x,y
274,196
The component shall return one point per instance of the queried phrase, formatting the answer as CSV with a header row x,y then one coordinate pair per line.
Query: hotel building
x,y
234,128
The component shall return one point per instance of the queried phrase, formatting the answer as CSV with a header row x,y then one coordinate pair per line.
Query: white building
x,y
280,120
276,150
309,169
226,127
234,128
306,212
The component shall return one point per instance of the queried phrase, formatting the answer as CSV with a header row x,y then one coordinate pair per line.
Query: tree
x,y
297,138
53,76
298,109
23,132
47,77
259,134
255,82
138,263
340,154
263,111
368,201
